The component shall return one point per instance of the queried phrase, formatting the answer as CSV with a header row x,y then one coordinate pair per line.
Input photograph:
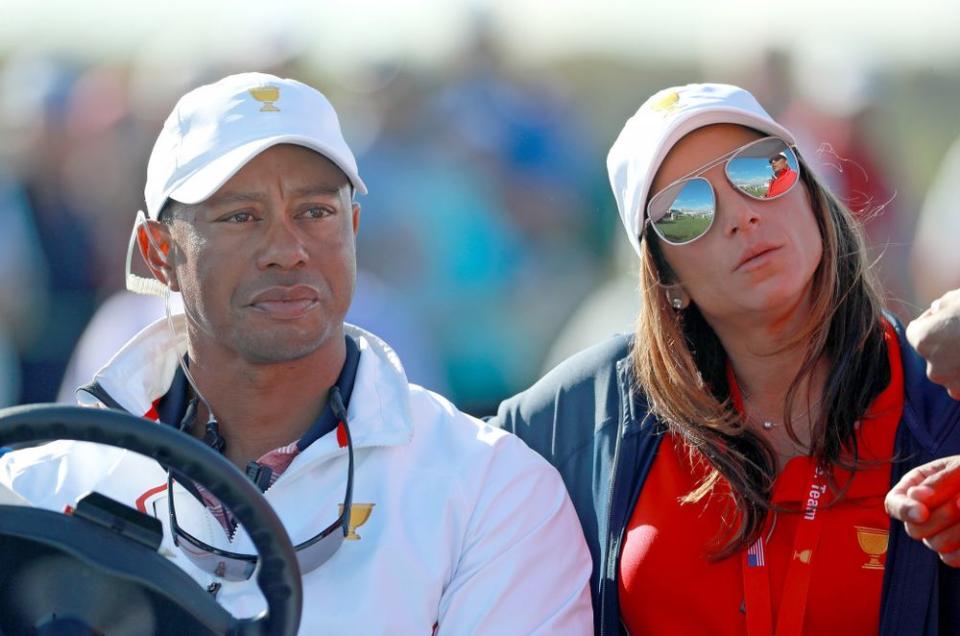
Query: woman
x,y
729,461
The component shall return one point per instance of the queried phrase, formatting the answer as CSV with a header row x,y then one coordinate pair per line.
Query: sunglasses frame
x,y
250,561
695,175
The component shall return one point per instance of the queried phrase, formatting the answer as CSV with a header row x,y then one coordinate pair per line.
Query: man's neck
x,y
260,407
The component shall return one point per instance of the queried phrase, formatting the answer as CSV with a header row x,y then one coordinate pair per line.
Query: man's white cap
x,y
214,130
660,123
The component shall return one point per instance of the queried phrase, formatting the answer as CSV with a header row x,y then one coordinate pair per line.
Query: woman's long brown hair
x,y
680,366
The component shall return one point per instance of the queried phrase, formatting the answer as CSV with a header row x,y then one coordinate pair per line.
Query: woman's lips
x,y
756,257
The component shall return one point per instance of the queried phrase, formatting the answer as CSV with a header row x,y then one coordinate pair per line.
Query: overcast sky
x,y
348,32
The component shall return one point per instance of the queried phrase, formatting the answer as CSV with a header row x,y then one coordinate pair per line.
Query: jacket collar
x,y
378,414
929,412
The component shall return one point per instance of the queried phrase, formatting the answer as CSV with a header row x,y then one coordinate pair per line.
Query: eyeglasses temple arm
x,y
340,412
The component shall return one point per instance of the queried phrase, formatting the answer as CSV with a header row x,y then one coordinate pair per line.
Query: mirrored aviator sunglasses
x,y
234,566
764,170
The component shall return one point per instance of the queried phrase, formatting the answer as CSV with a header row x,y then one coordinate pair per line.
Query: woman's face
x,y
759,257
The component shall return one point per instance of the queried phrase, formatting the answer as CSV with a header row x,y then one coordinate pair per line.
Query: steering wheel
x,y
71,574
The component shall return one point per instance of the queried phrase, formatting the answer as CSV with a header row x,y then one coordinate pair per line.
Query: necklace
x,y
768,425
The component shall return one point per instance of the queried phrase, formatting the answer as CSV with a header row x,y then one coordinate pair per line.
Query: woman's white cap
x,y
660,123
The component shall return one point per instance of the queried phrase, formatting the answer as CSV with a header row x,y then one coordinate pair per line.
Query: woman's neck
x,y
765,369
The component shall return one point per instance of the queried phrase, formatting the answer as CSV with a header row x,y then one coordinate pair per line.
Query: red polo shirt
x,y
667,586
781,183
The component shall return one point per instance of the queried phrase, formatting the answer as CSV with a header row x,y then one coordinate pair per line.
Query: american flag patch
x,y
755,554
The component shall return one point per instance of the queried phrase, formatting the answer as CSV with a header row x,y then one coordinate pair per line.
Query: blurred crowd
x,y
489,245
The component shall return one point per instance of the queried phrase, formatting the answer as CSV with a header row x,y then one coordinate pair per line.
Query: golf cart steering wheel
x,y
60,571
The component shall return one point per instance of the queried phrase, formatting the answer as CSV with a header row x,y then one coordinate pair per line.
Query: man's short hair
x,y
168,211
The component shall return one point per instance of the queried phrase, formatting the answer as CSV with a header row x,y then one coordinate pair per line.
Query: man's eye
x,y
315,213
239,217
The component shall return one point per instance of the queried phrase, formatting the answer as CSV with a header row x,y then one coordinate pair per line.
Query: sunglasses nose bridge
x,y
735,212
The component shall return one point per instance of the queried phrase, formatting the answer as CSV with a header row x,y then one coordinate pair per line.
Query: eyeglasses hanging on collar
x,y
311,554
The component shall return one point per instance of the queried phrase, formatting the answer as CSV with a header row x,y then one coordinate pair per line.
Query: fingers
x,y
941,482
924,488
900,505
906,509
951,558
927,500
935,334
940,529
917,330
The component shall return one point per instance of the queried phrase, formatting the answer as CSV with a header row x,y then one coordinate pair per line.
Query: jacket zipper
x,y
612,555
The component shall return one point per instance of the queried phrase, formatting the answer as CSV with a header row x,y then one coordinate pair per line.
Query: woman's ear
x,y
677,297
156,247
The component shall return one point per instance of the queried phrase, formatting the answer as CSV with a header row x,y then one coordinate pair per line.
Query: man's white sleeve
x,y
524,568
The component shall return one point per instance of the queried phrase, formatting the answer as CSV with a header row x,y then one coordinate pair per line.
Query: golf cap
x,y
214,130
660,123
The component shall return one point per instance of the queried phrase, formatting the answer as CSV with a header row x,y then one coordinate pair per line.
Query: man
x,y
456,528
927,498
783,176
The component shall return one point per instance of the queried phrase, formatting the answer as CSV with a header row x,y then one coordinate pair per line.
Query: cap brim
x,y
201,185
694,121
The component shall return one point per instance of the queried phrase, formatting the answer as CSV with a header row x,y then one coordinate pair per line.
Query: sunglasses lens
x,y
684,211
764,170
225,567
310,556
319,551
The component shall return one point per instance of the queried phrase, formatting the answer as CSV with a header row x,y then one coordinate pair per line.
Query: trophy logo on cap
x,y
665,101
266,95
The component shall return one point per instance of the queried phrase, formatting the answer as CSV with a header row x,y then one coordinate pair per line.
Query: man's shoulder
x,y
435,415
466,443
57,473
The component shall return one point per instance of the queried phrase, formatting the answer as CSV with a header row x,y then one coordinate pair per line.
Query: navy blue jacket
x,y
587,421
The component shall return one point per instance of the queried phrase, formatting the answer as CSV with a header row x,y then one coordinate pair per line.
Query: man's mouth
x,y
286,303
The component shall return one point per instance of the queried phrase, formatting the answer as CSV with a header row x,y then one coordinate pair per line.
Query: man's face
x,y
267,264
778,164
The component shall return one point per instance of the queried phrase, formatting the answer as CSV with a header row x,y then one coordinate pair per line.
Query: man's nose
x,y
283,246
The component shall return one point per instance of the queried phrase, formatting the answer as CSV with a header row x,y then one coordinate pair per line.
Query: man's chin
x,y
278,355
272,347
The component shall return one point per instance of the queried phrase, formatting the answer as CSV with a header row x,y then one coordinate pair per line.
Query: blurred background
x,y
490,247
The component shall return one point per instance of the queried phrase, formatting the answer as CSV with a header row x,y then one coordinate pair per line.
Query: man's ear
x,y
156,247
356,218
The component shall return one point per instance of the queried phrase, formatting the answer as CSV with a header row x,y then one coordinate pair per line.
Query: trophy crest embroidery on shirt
x,y
266,95
873,541
359,514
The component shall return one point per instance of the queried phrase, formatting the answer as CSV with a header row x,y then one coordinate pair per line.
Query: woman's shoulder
x,y
595,366
578,396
